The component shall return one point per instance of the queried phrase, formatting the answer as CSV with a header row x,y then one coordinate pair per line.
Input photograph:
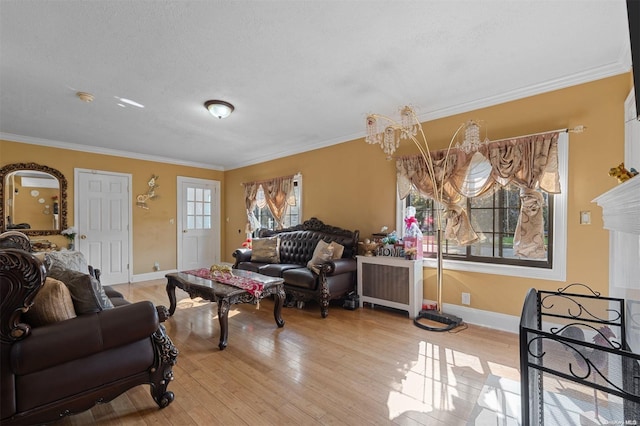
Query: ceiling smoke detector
x,y
84,96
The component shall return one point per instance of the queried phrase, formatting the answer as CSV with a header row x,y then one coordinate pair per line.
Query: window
x,y
494,218
198,208
292,215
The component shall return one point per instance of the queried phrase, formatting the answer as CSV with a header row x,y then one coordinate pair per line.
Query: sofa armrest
x,y
83,336
339,266
242,255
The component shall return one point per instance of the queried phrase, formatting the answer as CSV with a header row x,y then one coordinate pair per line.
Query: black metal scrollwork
x,y
588,359
546,302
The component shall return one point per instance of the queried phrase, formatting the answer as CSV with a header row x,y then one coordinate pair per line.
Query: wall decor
x,y
19,212
141,200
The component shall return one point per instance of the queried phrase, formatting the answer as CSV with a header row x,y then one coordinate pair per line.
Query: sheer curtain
x,y
278,194
250,194
530,162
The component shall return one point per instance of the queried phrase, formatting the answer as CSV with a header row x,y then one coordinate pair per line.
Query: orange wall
x,y
154,236
351,185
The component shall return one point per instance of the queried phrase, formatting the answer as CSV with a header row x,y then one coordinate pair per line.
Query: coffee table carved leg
x,y
171,292
277,308
223,317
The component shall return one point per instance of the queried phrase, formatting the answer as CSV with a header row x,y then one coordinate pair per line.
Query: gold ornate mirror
x,y
34,199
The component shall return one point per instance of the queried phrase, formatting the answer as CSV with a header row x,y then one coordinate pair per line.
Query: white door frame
x,y
129,213
215,222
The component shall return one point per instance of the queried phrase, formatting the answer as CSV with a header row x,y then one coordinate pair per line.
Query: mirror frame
x,y
5,170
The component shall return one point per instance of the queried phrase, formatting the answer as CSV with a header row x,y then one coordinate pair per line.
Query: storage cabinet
x,y
391,281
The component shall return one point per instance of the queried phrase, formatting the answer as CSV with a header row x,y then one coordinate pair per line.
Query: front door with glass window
x,y
198,223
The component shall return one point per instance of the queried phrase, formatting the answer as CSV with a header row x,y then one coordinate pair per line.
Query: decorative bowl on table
x,y
369,247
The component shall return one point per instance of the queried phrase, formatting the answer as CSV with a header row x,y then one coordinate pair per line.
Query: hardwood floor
x,y
368,366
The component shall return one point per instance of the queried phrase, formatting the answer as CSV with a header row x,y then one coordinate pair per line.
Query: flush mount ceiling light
x,y
220,109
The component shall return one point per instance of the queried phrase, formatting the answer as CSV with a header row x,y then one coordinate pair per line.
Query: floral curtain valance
x,y
529,162
278,194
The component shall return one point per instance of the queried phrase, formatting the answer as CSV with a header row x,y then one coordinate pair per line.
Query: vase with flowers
x,y
70,234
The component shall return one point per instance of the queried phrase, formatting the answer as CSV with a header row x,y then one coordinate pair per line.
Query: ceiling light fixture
x,y
220,109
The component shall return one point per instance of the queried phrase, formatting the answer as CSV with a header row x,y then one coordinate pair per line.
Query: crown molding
x,y
622,66
104,151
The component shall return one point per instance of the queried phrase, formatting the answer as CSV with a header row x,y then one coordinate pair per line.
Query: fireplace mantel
x,y
621,207
621,215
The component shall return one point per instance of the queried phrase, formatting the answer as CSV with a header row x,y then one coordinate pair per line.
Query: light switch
x,y
585,218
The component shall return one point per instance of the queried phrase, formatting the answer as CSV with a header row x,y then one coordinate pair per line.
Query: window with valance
x,y
498,202
273,203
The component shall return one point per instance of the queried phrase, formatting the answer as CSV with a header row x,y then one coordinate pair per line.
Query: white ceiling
x,y
301,74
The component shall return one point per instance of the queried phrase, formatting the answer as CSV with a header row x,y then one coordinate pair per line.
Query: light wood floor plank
x,y
368,366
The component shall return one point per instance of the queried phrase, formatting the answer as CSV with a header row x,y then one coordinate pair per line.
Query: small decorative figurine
x,y
621,173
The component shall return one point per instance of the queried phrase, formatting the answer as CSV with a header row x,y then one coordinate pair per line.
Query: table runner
x,y
252,286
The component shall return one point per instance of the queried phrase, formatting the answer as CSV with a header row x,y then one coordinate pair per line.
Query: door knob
x,y
184,231
83,237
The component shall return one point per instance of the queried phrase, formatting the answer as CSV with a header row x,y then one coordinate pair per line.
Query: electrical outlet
x,y
466,298
156,266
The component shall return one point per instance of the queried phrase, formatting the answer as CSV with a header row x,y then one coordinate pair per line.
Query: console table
x,y
391,281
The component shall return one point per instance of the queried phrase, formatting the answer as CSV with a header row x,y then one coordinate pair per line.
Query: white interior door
x,y
198,223
103,216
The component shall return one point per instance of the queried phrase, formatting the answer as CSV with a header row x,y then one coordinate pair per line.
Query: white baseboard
x,y
151,276
488,319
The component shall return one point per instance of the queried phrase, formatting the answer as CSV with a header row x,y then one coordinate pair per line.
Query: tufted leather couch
x,y
335,278
66,367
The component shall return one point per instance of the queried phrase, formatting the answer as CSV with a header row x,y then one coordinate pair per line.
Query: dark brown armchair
x,y
59,369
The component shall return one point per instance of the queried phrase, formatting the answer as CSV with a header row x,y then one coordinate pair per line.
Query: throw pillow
x,y
52,304
322,253
265,250
86,292
338,249
43,257
73,260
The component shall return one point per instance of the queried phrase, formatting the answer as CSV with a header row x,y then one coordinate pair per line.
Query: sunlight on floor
x,y
503,371
196,302
436,382
498,403
430,384
191,303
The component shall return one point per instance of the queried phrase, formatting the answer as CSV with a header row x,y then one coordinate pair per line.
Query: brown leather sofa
x,y
334,279
60,369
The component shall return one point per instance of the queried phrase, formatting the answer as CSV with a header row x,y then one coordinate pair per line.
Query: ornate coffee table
x,y
226,295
